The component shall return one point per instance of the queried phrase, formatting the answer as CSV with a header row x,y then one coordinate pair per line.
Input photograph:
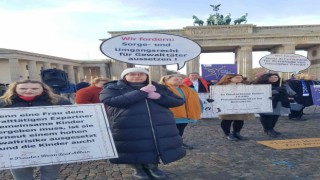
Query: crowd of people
x,y
148,119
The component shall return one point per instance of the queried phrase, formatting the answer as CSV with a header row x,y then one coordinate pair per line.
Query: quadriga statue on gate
x,y
243,18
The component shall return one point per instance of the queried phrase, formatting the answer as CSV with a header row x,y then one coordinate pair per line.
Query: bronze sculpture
x,y
197,21
219,19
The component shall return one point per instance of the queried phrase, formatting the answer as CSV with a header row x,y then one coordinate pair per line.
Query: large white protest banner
x,y
240,99
151,49
46,135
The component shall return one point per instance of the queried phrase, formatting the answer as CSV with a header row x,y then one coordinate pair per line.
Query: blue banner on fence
x,y
315,90
216,71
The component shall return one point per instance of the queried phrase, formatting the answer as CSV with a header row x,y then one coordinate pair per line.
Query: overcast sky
x,y
72,28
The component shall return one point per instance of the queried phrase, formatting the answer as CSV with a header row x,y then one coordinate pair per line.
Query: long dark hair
x,y
264,79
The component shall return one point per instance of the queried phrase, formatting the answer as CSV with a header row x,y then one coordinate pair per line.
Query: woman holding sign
x,y
31,93
143,127
280,103
236,120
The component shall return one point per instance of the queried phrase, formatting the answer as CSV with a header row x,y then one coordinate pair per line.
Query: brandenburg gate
x,y
242,40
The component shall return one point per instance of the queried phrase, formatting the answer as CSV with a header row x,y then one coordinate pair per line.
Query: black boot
x,y
230,137
153,171
187,146
239,136
276,132
139,172
271,133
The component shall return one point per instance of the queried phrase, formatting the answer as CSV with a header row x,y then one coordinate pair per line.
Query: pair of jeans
x,y
50,172
268,122
226,126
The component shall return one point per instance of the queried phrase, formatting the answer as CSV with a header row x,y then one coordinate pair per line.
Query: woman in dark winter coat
x,y
280,103
31,93
301,85
143,127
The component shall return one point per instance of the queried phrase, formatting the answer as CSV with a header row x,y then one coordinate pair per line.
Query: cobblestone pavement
x,y
215,158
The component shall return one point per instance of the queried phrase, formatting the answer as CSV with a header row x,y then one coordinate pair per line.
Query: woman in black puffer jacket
x,y
143,127
31,93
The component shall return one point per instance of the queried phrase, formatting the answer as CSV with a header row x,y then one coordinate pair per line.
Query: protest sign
x,y
292,143
241,99
151,49
37,136
217,71
285,62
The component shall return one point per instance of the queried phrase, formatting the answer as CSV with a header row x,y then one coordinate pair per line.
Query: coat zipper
x,y
152,129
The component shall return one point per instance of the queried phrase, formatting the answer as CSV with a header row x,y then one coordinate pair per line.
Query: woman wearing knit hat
x,y
143,127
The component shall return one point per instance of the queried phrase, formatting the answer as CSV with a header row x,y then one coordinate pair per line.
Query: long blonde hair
x,y
164,79
98,79
305,76
11,91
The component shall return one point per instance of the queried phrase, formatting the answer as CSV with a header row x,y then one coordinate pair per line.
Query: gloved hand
x,y
154,95
149,88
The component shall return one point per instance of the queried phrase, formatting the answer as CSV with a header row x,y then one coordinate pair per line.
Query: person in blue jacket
x,y
143,127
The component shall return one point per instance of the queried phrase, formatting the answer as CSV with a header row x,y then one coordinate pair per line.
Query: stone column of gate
x,y
314,56
60,66
81,73
46,65
71,75
243,56
116,69
157,72
103,72
284,49
193,65
14,69
163,70
34,74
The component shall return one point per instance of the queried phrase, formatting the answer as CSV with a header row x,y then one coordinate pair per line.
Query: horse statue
x,y
227,19
213,20
218,19
243,18
197,21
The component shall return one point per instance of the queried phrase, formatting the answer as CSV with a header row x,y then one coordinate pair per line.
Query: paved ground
x,y
216,158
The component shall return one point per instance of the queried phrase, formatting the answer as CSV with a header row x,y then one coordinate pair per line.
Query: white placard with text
x,y
241,99
37,136
151,49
